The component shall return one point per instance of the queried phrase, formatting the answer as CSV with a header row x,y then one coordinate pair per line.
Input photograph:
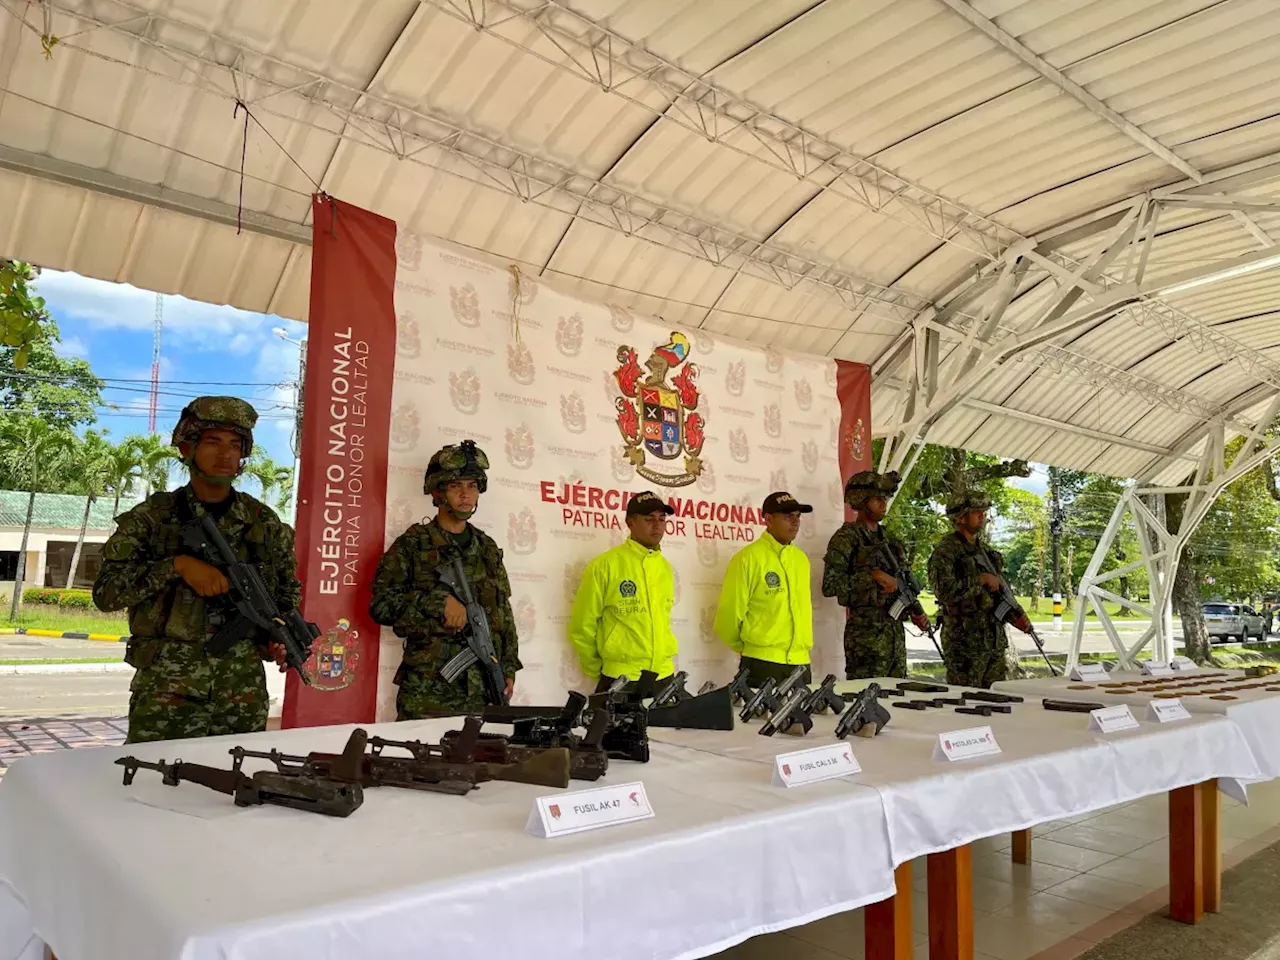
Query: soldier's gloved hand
x,y
455,614
204,579
990,581
887,583
278,654
921,621
1023,623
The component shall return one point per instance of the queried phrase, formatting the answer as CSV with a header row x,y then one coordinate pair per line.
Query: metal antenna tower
x,y
155,364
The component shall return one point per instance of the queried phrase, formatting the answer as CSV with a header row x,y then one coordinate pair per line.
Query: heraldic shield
x,y
656,416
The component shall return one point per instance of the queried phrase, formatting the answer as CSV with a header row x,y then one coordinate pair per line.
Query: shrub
x,y
77,599
40,595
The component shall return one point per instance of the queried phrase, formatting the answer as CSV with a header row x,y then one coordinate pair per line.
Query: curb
x,y
64,635
15,670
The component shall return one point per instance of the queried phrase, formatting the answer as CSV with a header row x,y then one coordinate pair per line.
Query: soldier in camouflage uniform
x,y
973,640
178,690
409,598
875,644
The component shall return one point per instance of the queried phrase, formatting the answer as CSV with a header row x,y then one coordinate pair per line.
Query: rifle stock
x,y
479,649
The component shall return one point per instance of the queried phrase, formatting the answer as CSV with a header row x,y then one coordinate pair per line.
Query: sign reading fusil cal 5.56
x,y
810,766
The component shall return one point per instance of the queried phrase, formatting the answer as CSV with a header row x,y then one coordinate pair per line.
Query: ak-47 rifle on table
x,y
535,729
304,790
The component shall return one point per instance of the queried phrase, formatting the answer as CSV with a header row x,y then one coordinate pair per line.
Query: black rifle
x,y
905,602
332,797
771,695
864,713
790,718
536,729
479,638
1072,706
1007,609
253,602
456,759
825,696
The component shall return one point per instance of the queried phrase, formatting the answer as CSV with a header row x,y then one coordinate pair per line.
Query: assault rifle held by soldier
x,y
905,604
479,647
310,792
1008,610
864,716
255,606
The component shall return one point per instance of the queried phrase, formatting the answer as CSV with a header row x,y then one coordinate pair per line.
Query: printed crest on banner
x,y
573,412
739,448
735,378
831,374
773,360
569,335
804,394
526,616
405,428
620,464
408,249
464,391
835,494
522,532
675,585
519,446
399,516
835,433
704,341
655,416
707,624
621,318
466,305
521,289
573,577
853,440
335,659
707,479
408,340
708,552
611,389
778,479
809,455
773,420
571,676
520,363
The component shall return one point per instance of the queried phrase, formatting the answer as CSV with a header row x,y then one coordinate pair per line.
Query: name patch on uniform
x,y
563,813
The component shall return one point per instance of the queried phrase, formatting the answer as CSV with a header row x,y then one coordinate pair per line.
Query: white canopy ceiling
x,y
927,186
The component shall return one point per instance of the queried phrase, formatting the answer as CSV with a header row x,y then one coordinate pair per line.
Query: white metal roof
x,y
842,177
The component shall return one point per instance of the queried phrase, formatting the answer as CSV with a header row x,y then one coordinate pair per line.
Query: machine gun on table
x,y
1008,610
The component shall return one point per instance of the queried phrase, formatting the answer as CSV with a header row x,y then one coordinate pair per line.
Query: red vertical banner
x,y
853,391
351,353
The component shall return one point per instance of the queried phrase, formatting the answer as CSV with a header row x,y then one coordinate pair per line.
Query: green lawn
x,y
1232,656
1045,614
34,616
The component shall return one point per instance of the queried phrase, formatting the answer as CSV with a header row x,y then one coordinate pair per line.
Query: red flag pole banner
x,y
351,347
579,405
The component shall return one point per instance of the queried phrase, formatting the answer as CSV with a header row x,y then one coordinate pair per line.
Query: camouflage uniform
x,y
875,645
178,690
409,598
973,641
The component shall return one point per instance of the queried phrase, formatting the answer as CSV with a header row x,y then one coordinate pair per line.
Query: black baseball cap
x,y
783,502
647,502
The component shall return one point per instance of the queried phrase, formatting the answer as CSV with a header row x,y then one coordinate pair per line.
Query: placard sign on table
x,y
1085,672
966,744
564,813
1112,719
819,763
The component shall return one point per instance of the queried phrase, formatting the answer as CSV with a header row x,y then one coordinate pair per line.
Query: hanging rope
x,y
47,40
516,297
244,147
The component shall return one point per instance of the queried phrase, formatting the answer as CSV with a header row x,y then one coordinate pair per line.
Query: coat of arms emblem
x,y
521,290
399,516
569,335
404,428
520,362
573,413
466,305
804,394
620,464
707,479
736,378
464,391
522,532
773,360
708,624
526,617
704,341
408,249
777,479
621,318
708,552
853,439
656,416
809,455
572,577
408,342
519,447
739,448
335,658
773,420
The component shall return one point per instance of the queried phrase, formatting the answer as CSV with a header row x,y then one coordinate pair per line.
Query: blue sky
x,y
110,325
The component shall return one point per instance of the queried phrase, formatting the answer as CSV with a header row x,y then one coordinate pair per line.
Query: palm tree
x,y
32,449
124,467
154,458
92,465
271,477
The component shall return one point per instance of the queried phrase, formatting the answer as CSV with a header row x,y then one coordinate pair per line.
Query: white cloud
x,y
72,347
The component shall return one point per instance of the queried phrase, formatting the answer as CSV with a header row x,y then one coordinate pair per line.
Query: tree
x,y
1186,593
23,318
92,460
155,457
60,390
30,446
1025,549
124,466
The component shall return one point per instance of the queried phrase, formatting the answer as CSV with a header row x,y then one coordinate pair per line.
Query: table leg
x,y
951,904
887,924
1186,854
1211,810
1022,846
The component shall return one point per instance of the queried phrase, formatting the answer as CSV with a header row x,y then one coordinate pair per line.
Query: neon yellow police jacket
x,y
621,622
766,611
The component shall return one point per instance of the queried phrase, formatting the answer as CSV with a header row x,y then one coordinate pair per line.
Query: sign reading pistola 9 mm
x,y
579,406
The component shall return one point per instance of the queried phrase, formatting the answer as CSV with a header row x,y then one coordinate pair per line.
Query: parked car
x,y
1227,620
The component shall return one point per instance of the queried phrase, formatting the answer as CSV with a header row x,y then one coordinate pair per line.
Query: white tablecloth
x,y
1256,712
1050,767
150,872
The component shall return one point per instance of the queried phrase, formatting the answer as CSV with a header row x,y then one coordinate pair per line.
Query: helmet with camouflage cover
x,y
861,487
215,413
967,500
462,461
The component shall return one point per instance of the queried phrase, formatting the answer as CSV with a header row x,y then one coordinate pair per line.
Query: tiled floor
x,y
19,738
1089,878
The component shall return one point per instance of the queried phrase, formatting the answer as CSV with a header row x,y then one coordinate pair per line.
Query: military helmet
x,y
213,413
967,500
462,461
861,487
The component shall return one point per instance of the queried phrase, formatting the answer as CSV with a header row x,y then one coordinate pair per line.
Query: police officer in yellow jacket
x,y
621,622
766,610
